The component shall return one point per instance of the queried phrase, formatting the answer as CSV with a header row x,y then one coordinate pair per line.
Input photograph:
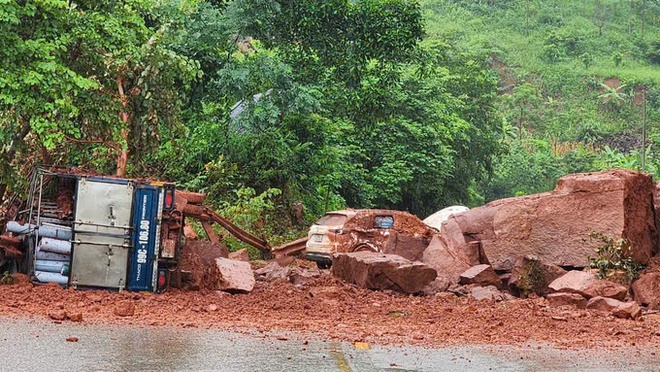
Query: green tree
x,y
586,60
613,98
86,80
617,58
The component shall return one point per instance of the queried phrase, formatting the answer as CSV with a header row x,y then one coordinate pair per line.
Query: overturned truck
x,y
87,231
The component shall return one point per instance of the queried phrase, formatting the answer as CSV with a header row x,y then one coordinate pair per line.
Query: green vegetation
x,y
6,278
266,105
613,259
574,78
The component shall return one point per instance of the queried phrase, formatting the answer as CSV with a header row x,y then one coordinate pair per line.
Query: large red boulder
x,y
448,261
375,270
556,226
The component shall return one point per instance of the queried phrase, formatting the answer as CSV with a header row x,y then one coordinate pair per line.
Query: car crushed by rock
x,y
370,230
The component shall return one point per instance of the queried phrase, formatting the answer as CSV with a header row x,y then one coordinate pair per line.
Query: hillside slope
x,y
575,78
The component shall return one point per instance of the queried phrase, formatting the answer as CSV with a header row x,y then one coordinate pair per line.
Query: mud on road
x,y
333,310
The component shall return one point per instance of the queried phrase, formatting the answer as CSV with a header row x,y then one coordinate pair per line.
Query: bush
x,y
7,278
613,259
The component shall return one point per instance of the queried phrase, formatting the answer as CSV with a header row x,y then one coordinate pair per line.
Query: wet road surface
x,y
40,345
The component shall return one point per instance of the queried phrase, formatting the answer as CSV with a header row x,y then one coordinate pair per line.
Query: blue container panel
x,y
143,260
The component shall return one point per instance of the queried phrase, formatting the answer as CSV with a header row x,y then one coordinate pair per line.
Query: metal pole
x,y
33,255
644,129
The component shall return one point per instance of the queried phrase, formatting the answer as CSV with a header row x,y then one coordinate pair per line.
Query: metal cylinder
x,y
43,255
49,266
17,228
55,246
47,277
49,231
63,233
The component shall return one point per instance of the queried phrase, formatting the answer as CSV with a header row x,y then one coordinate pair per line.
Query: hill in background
x,y
576,79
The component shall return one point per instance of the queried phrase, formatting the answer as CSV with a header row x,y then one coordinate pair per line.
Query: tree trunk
x,y
122,158
11,152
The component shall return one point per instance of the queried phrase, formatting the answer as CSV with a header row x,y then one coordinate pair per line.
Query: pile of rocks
x,y
536,245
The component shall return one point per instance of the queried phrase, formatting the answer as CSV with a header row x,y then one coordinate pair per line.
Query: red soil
x,y
331,309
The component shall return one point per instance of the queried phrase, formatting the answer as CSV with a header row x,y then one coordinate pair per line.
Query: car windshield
x,y
332,220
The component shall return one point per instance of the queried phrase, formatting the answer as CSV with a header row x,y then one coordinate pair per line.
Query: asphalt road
x,y
40,345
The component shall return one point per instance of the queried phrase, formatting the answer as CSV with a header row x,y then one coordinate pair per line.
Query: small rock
x,y
124,308
445,295
625,310
72,339
76,317
212,308
57,314
628,310
21,279
189,232
94,297
303,276
531,275
647,290
562,299
482,275
560,318
272,271
325,292
240,255
285,260
488,293
460,290
587,285
438,285
603,303
235,276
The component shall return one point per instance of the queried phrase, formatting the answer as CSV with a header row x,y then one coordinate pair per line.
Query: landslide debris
x,y
331,309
